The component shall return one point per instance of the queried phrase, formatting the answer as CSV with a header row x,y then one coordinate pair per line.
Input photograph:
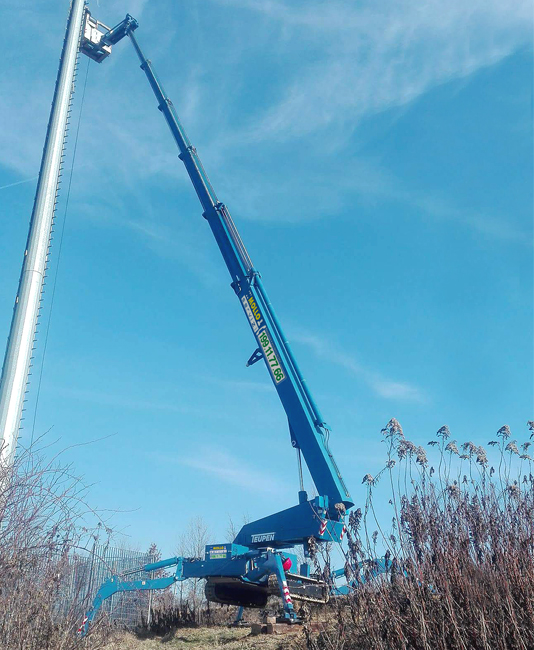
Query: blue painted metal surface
x,y
248,563
248,566
364,572
251,566
293,526
309,432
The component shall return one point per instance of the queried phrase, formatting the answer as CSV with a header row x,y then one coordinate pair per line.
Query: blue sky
x,y
377,158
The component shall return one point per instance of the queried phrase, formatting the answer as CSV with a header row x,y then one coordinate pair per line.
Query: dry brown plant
x,y
43,511
460,550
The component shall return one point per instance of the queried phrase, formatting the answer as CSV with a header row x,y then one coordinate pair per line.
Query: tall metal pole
x,y
29,295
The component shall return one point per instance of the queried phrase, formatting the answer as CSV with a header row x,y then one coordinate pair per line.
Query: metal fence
x,y
84,576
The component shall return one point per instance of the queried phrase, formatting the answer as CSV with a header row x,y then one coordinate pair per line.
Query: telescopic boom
x,y
308,429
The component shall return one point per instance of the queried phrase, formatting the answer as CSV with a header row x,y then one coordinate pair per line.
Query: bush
x,y
460,551
42,510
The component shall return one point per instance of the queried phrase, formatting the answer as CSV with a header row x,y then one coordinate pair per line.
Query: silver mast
x,y
27,303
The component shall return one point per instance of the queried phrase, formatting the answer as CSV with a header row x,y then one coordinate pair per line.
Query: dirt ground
x,y
212,637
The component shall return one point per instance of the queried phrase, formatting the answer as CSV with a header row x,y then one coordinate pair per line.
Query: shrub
x,y
42,511
460,550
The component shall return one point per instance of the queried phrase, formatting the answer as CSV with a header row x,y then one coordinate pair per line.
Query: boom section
x,y
308,430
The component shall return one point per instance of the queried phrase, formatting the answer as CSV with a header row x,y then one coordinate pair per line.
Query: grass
x,y
209,637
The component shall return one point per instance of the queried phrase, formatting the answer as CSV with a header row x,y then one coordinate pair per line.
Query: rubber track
x,y
275,591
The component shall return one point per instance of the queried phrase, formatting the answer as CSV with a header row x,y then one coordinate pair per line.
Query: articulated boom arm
x,y
307,426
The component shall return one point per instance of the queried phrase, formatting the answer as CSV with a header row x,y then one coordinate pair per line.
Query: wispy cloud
x,y
178,244
26,180
239,386
231,469
358,179
370,56
395,389
342,61
382,386
117,400
489,225
439,209
350,61
181,240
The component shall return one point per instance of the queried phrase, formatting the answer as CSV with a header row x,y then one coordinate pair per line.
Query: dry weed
x,y
460,551
42,510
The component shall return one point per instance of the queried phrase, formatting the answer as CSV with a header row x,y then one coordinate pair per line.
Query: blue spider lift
x,y
256,564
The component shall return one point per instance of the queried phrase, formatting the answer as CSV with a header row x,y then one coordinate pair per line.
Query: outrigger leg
x,y
116,584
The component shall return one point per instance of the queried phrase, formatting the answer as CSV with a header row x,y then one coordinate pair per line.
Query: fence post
x,y
149,614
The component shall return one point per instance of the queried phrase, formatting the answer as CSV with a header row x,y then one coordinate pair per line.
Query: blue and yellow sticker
x,y
259,328
218,553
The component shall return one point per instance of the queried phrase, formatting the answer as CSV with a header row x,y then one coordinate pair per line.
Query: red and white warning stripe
x,y
323,527
287,595
80,629
343,531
